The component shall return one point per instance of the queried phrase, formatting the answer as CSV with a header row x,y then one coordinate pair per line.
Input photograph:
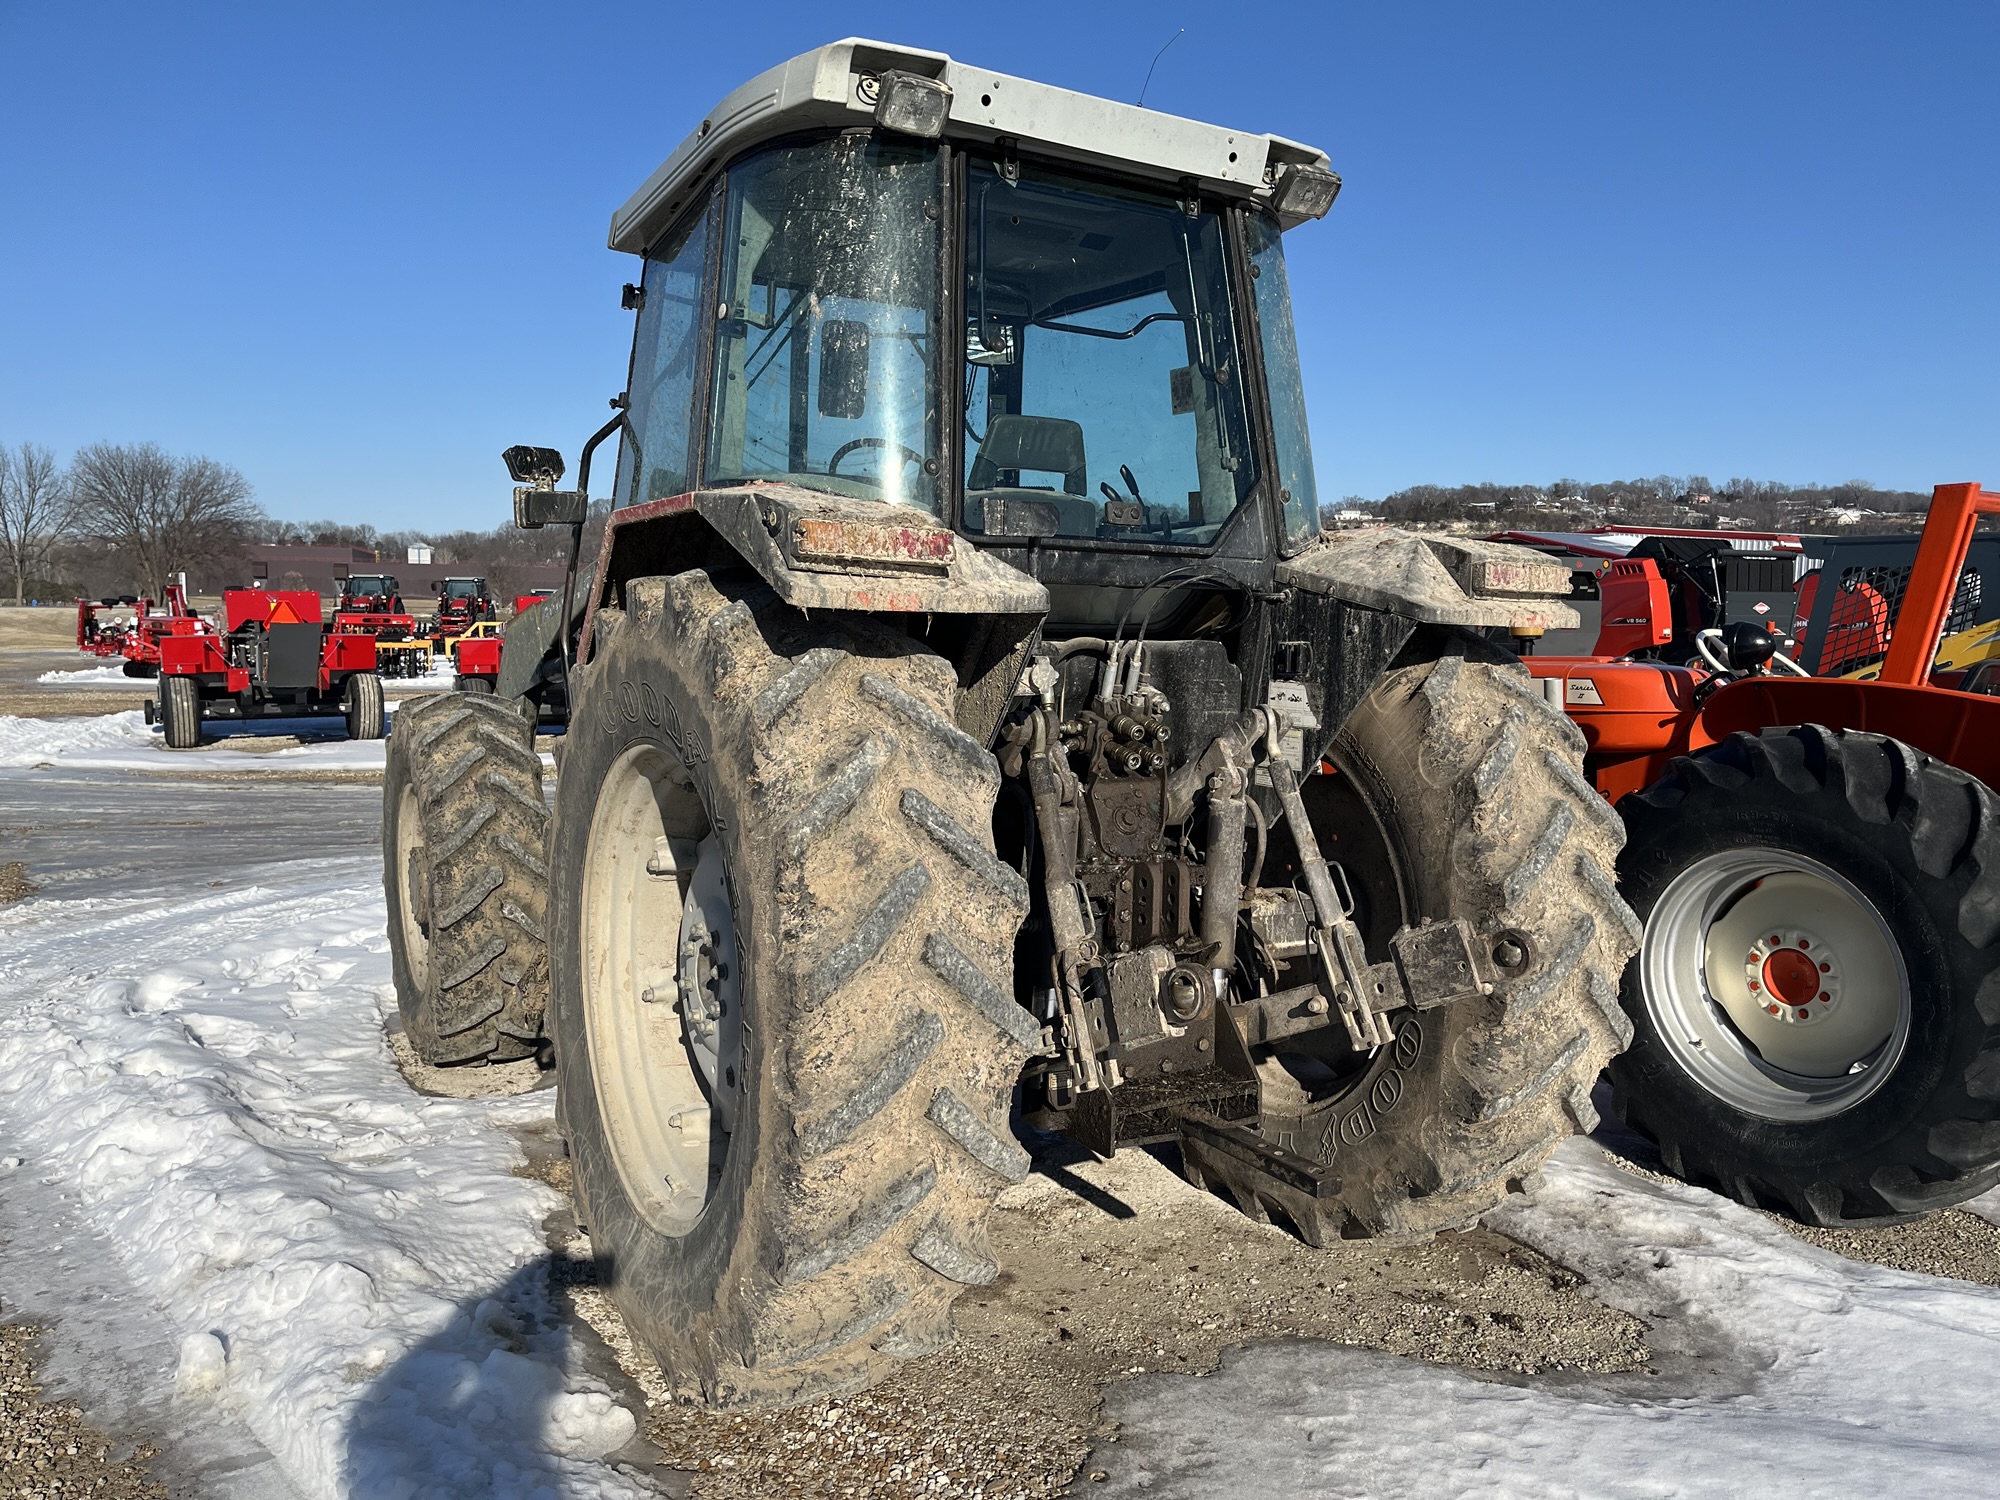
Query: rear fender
x,y
1961,729
822,552
1437,580
815,551
1352,601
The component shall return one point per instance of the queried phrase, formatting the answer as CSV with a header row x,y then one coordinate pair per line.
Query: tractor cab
x,y
371,593
1073,349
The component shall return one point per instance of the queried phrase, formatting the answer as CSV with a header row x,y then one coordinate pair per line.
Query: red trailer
x,y
475,658
272,658
475,655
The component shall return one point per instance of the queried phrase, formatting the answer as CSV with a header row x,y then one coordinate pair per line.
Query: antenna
x,y
1156,62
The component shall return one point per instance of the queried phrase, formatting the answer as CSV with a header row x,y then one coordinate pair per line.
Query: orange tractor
x,y
1816,861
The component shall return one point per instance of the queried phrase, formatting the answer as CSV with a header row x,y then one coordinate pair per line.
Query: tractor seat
x,y
1044,445
1048,445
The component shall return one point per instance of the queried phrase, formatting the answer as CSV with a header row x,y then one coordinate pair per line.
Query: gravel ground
x,y
14,882
47,1450
1113,1269
1117,1269
1952,1243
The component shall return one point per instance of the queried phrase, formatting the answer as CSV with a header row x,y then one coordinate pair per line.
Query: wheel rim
x,y
662,988
1776,984
413,888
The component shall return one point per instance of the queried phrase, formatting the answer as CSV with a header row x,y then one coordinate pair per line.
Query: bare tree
x,y
165,514
34,510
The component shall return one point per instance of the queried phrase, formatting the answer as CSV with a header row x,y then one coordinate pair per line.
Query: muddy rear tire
x,y
1903,854
180,712
464,873
1459,792
802,1232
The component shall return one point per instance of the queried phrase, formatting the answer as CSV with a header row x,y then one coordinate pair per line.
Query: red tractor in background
x,y
272,657
374,594
371,604
1816,861
462,603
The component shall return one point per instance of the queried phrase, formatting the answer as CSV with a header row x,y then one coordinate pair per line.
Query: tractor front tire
x,y
1458,793
1841,1060
180,712
362,707
782,1005
464,873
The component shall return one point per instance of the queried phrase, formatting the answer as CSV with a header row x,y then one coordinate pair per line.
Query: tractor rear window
x,y
825,371
1103,383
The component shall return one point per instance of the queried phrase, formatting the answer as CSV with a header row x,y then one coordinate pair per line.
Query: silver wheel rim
x,y
662,988
412,876
1775,984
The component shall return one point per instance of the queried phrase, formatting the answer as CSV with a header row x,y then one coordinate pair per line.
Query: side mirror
x,y
437,585
535,508
843,368
538,503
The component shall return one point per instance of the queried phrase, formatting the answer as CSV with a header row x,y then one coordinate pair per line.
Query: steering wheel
x,y
910,455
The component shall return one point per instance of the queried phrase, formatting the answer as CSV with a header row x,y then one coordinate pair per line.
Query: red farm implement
x,y
1816,861
137,640
271,658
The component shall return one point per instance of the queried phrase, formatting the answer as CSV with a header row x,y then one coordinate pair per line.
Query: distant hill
x,y
1664,500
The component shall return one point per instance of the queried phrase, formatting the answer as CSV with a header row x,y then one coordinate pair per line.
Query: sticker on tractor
x,y
1581,692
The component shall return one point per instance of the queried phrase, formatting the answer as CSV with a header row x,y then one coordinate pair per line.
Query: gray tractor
x,y
971,732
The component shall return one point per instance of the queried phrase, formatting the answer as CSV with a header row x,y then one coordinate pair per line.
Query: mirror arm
x,y
576,546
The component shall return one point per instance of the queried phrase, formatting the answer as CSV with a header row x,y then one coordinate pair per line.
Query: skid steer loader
x,y
967,714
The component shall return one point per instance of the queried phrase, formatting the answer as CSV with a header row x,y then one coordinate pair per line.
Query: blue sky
x,y
355,250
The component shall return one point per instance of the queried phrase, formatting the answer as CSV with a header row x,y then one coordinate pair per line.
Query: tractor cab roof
x,y
858,83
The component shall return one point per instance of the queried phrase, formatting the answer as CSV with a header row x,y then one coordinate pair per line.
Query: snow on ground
x,y
89,677
125,742
1820,1376
196,1081
438,680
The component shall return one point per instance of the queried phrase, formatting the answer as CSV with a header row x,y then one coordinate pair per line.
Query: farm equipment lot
x,y
192,1033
